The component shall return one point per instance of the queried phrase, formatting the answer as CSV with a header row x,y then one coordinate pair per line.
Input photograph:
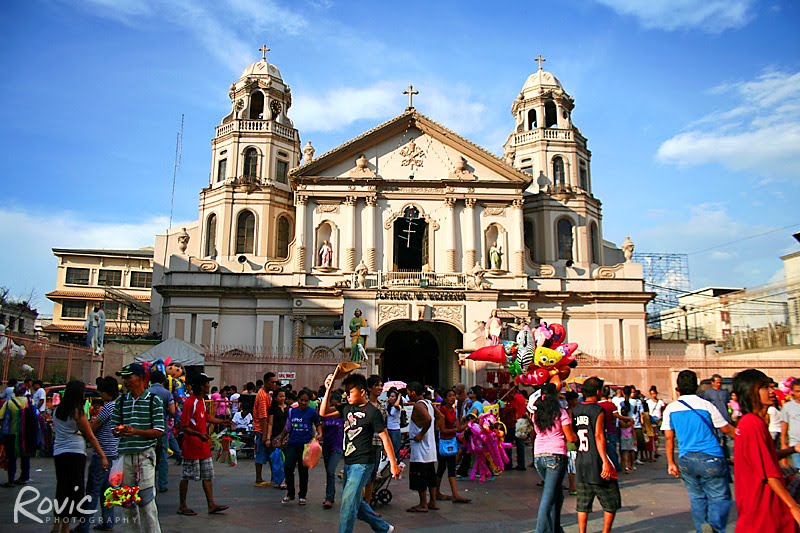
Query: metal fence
x,y
51,362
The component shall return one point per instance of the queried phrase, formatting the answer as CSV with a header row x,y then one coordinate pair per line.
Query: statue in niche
x,y
496,256
95,326
358,336
326,254
494,328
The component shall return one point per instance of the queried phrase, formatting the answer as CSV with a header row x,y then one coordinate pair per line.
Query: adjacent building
x,y
120,280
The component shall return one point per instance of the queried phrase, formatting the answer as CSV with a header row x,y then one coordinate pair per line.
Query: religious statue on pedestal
x,y
494,328
358,336
326,254
95,326
496,256
361,275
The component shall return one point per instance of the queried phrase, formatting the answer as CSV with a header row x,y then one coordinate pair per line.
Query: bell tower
x,y
247,208
563,221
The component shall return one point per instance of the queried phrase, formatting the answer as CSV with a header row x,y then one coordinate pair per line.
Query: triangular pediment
x,y
411,147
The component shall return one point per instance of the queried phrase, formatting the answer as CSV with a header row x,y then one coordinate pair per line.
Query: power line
x,y
745,239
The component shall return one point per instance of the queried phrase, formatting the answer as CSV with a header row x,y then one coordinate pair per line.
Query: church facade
x,y
420,229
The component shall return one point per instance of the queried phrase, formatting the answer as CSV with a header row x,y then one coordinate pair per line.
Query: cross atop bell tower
x,y
264,51
539,59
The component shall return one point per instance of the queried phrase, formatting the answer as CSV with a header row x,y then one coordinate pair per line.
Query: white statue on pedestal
x,y
326,254
95,326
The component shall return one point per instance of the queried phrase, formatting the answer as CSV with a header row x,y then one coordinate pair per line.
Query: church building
x,y
420,229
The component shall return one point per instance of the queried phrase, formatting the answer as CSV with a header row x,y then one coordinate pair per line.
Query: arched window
x,y
245,232
550,114
558,172
584,175
564,239
532,119
594,236
211,236
530,241
256,105
251,163
282,242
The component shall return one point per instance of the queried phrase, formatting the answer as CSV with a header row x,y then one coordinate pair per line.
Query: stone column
x,y
517,243
468,236
369,233
301,201
299,330
350,235
450,235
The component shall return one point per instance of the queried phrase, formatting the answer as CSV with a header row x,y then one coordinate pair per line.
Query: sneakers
x,y
302,501
391,528
638,462
287,499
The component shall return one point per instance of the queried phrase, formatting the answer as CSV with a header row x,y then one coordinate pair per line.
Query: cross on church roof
x,y
539,59
263,51
410,92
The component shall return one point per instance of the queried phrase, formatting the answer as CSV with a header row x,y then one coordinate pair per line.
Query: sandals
x,y
218,509
187,512
327,505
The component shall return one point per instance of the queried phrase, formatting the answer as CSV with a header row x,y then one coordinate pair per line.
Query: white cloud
x,y
336,108
713,16
29,262
759,134
226,29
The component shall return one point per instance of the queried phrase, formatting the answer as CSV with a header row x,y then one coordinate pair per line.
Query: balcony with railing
x,y
413,278
543,133
268,126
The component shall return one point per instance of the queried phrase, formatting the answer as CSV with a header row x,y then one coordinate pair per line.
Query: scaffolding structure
x,y
667,275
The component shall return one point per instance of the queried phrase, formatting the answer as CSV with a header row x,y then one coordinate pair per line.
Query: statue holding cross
x,y
410,92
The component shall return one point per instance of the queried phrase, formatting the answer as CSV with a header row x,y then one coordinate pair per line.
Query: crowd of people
x,y
585,437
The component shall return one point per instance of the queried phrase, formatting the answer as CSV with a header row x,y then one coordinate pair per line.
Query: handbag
x,y
448,447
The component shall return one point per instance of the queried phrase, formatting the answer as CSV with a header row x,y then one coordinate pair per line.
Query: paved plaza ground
x,y
652,501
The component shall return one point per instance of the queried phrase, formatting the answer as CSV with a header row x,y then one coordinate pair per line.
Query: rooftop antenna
x,y
176,167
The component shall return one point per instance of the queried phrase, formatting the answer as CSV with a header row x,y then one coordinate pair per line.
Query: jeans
x,y
552,468
162,464
294,458
706,480
96,486
397,440
175,447
612,448
9,441
520,444
331,460
353,505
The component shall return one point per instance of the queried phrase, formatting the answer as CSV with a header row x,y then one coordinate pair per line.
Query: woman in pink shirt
x,y
552,428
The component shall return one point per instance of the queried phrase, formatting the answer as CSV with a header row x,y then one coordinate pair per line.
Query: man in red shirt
x,y
197,463
260,419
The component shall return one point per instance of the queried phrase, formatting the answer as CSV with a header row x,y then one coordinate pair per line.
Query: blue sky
x,y
691,108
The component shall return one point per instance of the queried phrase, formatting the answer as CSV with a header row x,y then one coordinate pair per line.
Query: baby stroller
x,y
380,487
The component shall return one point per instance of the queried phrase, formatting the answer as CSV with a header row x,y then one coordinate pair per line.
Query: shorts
x,y
422,476
262,454
198,469
607,494
571,455
640,440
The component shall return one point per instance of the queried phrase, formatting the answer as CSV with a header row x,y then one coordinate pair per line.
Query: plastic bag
x,y
233,460
116,473
276,460
311,453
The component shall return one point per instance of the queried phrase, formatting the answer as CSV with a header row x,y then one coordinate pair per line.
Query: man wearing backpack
x,y
702,464
138,419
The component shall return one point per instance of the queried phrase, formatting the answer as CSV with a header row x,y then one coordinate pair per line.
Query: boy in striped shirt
x,y
138,419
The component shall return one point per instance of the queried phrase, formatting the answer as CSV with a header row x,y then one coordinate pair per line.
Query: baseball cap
x,y
199,379
133,369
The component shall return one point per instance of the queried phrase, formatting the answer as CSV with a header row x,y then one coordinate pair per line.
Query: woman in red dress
x,y
762,500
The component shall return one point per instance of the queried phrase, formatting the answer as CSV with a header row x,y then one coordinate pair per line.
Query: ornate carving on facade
x,y
320,330
470,203
412,155
371,200
390,312
449,202
369,254
608,272
547,271
452,314
477,273
308,153
206,265
469,258
519,263
350,201
450,260
183,240
362,169
350,259
301,259
418,190
421,311
432,223
462,171
494,210
301,199
517,204
327,208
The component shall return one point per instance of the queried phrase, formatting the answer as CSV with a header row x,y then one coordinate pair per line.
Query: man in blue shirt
x,y
720,397
162,449
703,467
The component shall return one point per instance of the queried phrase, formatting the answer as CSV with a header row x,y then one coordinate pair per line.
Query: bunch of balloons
x,y
537,357
484,439
122,496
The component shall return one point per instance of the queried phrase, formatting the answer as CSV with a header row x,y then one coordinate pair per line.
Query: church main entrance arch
x,y
420,351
